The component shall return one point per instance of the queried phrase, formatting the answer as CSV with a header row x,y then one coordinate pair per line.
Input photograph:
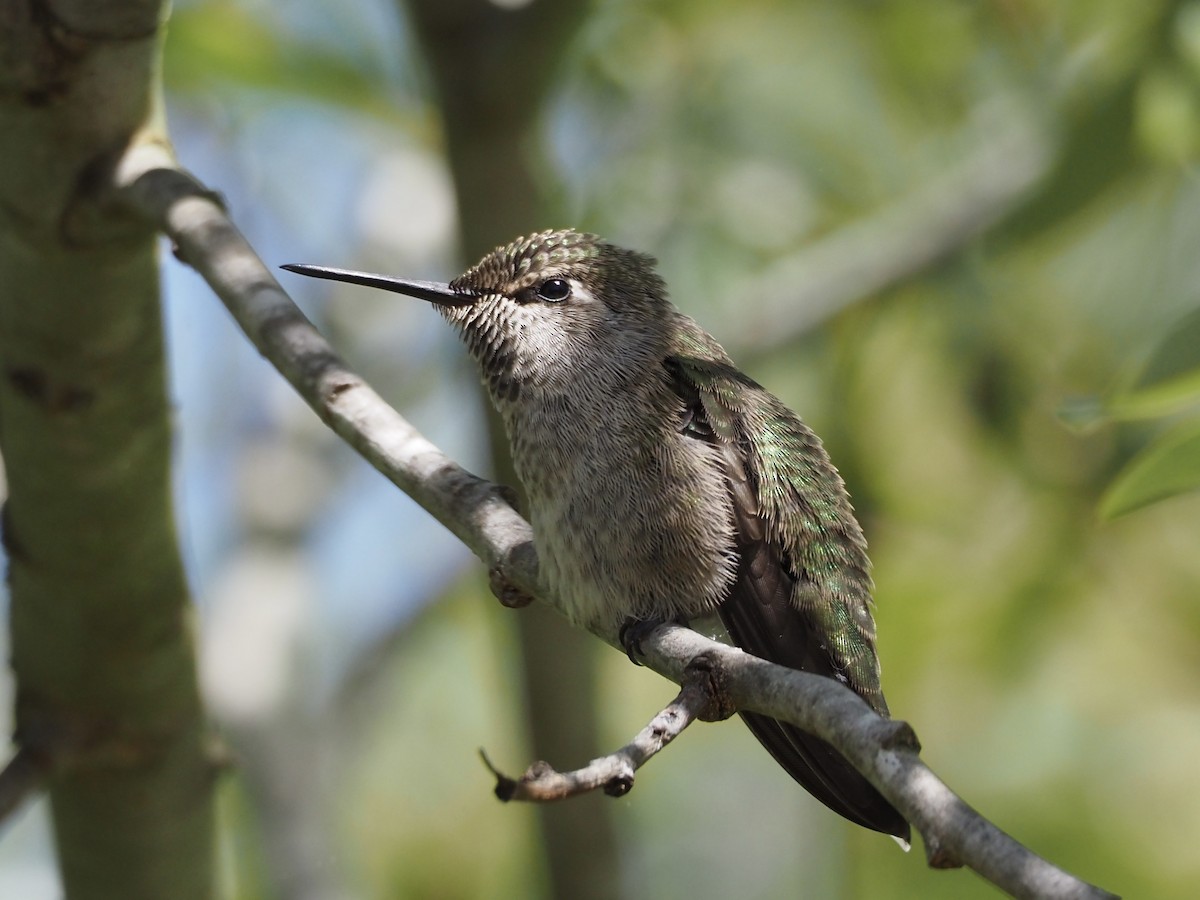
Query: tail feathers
x,y
826,774
762,618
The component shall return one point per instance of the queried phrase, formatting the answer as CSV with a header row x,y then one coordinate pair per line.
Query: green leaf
x,y
1170,380
1169,466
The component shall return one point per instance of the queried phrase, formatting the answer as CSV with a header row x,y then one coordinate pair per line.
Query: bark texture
x,y
107,696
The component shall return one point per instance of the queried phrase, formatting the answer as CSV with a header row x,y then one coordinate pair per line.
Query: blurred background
x,y
951,235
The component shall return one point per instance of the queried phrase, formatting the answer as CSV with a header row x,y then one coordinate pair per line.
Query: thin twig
x,y
614,773
885,751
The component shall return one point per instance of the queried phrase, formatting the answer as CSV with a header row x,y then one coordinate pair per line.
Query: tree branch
x,y
613,773
885,751
474,509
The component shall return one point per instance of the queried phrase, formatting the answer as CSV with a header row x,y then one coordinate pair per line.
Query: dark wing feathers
x,y
802,586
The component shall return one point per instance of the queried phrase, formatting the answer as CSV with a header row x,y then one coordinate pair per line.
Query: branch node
x,y
705,673
505,591
937,855
899,735
620,785
337,387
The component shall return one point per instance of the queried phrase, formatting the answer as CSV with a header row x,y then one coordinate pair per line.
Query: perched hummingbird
x,y
663,483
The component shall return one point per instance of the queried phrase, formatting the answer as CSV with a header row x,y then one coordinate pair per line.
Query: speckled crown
x,y
534,253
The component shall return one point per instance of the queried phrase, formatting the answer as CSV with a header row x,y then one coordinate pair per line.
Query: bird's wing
x,y
802,590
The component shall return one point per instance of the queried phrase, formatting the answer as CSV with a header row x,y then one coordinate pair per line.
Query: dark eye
x,y
553,290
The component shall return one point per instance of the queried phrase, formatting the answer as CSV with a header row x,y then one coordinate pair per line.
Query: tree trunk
x,y
492,68
107,697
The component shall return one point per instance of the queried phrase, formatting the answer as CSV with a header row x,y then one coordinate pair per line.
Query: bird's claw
x,y
509,495
634,631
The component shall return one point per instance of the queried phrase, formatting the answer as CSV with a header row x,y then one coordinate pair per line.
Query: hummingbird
x,y
663,483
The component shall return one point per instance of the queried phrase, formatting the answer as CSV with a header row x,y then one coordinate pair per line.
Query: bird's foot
x,y
509,495
634,631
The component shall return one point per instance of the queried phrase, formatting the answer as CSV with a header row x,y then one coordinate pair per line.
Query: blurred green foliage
x,y
1049,661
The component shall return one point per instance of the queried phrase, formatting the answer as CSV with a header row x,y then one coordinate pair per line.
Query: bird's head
x,y
545,309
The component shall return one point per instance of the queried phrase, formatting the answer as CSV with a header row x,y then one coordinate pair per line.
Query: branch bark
x,y
885,751
613,773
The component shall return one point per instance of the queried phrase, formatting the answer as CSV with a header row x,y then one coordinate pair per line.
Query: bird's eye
x,y
553,290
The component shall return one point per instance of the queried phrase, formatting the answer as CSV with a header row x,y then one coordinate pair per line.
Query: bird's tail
x,y
826,774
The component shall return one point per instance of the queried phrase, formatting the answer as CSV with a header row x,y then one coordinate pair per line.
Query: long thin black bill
x,y
433,291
